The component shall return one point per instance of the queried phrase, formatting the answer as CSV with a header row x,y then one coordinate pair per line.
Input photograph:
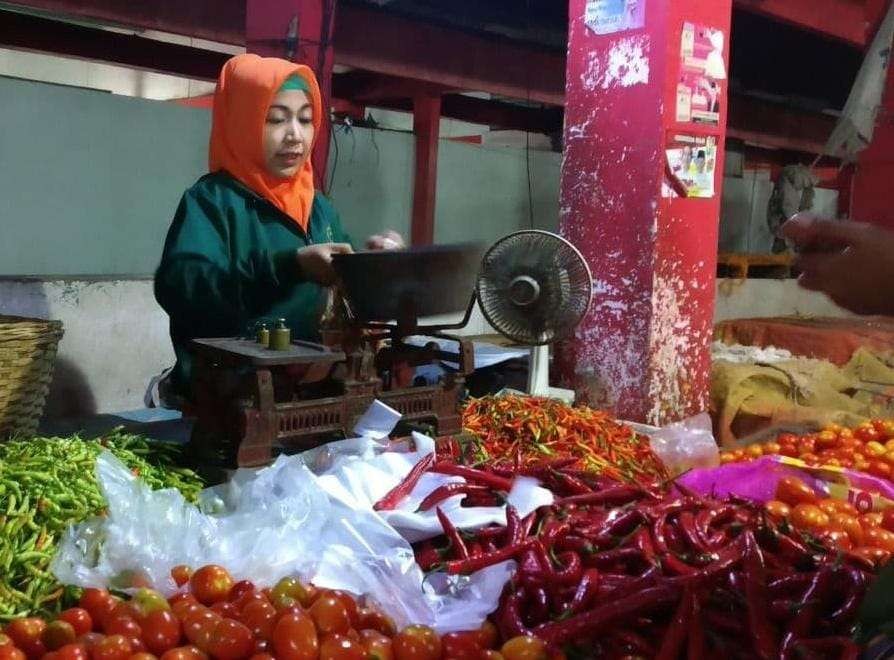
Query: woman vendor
x,y
252,240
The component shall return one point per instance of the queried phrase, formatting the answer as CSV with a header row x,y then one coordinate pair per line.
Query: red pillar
x,y
643,350
301,31
426,126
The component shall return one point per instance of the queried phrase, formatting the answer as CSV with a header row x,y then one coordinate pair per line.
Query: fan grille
x,y
562,280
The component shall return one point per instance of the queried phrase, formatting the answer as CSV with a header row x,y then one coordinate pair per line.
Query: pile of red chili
x,y
619,570
520,431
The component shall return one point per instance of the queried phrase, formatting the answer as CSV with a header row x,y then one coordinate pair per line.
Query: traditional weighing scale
x,y
532,286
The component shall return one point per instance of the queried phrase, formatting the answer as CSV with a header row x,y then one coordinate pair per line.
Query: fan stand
x,y
538,377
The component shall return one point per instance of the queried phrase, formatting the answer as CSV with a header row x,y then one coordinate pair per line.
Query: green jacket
x,y
229,262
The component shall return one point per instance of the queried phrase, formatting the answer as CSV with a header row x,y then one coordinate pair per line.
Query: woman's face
x,y
288,133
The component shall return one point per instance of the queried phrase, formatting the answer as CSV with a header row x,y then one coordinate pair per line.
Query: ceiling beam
x,y
843,20
776,126
215,20
27,32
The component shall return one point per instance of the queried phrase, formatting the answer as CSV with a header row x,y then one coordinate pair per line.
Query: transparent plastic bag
x,y
309,515
685,445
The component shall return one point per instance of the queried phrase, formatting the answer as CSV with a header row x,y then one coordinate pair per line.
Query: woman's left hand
x,y
389,240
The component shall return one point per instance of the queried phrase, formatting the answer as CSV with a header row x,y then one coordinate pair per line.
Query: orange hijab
x,y
244,92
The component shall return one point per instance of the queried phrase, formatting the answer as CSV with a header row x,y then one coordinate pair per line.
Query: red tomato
x,y
496,655
778,509
183,609
74,651
90,640
241,590
877,537
79,618
261,646
888,519
525,648
142,655
807,445
260,617
96,602
809,516
146,601
181,574
26,634
880,469
211,584
161,631
262,656
184,653
123,625
339,647
289,591
417,643
873,556
851,525
787,439
866,434
230,641
793,491
350,605
113,647
199,627
57,634
330,615
461,645
295,638
488,635
788,450
838,538
826,439
377,645
10,652
226,609
372,619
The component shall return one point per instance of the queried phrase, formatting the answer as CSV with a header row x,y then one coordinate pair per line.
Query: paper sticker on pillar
x,y
690,167
702,70
613,16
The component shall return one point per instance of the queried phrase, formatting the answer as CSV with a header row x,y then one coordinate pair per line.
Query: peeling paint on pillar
x,y
643,348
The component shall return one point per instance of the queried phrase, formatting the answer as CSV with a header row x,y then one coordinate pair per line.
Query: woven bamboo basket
x,y
27,356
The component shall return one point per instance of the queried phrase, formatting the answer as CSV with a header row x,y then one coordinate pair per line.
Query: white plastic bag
x,y
684,445
310,515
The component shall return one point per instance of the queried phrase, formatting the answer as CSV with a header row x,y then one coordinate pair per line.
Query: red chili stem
x,y
475,476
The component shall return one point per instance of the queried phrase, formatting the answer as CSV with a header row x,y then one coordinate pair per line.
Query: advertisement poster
x,y
611,16
702,72
691,166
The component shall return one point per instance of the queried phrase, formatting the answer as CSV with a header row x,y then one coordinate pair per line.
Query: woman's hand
x,y
852,262
315,261
389,240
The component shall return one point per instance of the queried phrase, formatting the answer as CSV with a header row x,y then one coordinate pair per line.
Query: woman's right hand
x,y
315,261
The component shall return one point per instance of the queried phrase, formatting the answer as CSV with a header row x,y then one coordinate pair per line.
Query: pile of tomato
x,y
869,536
216,617
868,448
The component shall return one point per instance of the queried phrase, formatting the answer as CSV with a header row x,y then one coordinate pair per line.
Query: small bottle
x,y
280,336
263,335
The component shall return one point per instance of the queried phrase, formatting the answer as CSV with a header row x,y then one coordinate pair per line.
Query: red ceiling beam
x,y
776,126
214,20
26,32
383,43
844,20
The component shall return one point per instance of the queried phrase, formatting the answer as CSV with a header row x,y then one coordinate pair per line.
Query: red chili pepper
x,y
538,605
804,619
676,565
846,612
463,566
572,568
441,493
690,533
609,558
616,495
696,649
475,476
450,531
764,641
596,621
428,556
844,647
634,643
550,535
783,610
509,619
643,541
587,590
790,585
513,524
723,622
397,494
676,632
570,484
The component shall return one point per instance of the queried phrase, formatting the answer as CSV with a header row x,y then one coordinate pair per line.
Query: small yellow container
x,y
263,335
280,336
